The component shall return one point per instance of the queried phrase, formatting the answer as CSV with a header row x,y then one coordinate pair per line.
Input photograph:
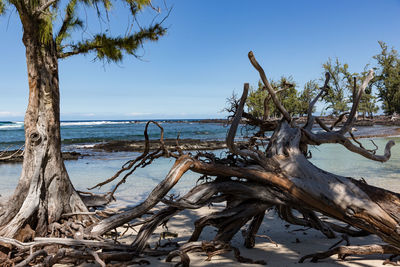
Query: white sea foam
x,y
89,123
84,146
20,124
12,125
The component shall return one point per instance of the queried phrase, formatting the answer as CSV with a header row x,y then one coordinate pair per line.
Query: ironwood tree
x,y
336,96
306,96
387,80
44,191
260,105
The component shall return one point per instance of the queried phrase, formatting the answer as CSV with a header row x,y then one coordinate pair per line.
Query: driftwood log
x,y
265,173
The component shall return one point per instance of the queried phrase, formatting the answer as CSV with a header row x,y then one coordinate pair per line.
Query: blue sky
x,y
191,71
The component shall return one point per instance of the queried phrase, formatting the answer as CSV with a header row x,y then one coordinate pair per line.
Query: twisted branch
x,y
144,159
353,112
310,117
271,90
233,129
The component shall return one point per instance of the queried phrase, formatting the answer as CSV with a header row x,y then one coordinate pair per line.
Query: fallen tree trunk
x,y
253,178
282,176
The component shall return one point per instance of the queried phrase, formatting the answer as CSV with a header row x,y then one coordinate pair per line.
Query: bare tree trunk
x,y
44,191
280,176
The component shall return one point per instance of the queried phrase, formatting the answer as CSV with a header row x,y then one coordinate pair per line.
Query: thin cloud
x,y
139,114
10,114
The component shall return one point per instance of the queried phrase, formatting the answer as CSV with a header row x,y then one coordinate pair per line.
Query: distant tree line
x,y
385,88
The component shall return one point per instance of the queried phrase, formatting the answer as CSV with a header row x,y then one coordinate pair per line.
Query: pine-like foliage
x,y
387,79
44,19
260,105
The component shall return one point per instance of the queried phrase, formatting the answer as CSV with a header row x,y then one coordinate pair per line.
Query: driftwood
x,y
252,179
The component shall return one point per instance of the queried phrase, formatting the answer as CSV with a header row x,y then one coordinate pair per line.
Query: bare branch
x,y
373,151
32,257
141,159
343,251
43,241
230,138
336,137
339,119
102,213
15,154
266,102
265,125
352,116
181,165
271,90
44,7
322,124
310,119
96,257
77,51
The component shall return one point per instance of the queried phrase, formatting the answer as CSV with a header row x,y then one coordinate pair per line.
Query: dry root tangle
x,y
268,173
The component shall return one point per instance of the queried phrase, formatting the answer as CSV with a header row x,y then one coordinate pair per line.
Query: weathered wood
x,y
250,179
271,90
255,224
31,257
181,165
344,251
44,241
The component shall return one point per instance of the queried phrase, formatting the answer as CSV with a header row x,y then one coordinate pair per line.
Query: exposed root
x,y
33,256
47,252
345,251
390,261
17,153
310,219
251,233
211,248
185,260
344,238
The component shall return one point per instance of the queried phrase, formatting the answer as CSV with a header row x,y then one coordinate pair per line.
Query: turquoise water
x,y
89,171
337,159
74,134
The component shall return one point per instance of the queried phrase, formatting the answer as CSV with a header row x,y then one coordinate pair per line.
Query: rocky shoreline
x,y
139,145
196,144
15,156
383,120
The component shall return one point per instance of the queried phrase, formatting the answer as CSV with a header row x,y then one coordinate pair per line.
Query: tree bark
x,y
44,191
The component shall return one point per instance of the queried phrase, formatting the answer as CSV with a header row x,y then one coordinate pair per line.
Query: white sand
x,y
287,253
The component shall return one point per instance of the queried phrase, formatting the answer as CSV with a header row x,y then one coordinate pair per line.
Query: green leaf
x,y
112,49
2,7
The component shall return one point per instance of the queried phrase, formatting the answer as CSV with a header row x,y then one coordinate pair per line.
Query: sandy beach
x,y
292,242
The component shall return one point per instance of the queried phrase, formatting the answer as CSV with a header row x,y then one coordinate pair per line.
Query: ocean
x,y
79,134
87,171
74,134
